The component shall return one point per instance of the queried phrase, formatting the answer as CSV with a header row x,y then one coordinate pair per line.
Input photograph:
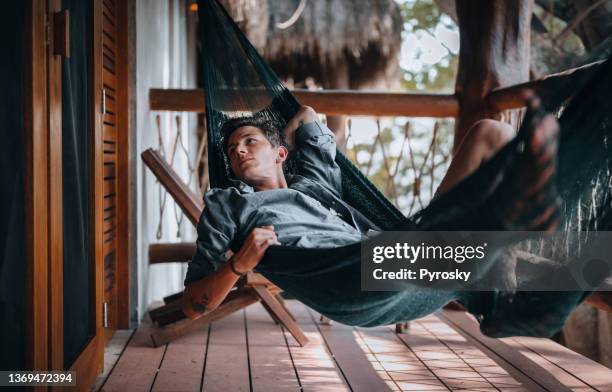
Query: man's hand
x,y
209,292
305,115
253,249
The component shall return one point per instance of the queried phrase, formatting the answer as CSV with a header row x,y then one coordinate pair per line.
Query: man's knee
x,y
492,133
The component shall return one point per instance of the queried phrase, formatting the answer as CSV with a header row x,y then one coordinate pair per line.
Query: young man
x,y
265,207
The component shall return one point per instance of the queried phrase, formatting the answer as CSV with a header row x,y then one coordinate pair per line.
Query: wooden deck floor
x,y
248,352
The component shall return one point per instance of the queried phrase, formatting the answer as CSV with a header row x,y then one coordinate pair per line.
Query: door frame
x,y
43,197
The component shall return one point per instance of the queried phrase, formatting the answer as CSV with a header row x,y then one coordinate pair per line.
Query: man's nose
x,y
241,150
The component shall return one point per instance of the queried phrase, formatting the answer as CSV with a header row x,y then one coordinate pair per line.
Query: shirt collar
x,y
243,187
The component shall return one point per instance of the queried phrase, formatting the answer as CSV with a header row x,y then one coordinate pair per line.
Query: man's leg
x,y
480,143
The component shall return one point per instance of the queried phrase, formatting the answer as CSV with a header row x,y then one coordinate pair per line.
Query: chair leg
x,y
271,313
401,327
281,313
281,301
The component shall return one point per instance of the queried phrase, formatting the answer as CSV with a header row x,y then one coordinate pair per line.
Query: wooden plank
x,y
186,199
108,60
109,171
109,187
109,213
111,104
109,148
108,224
109,9
351,358
109,79
109,118
400,367
171,252
138,365
109,235
109,28
109,157
108,45
108,247
269,357
109,4
468,366
183,364
331,102
521,367
227,363
278,312
109,202
313,363
511,97
109,132
570,368
112,354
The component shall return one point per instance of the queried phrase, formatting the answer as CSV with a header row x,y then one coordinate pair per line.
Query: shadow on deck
x,y
248,352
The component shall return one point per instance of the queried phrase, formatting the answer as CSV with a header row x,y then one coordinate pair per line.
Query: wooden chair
x,y
169,319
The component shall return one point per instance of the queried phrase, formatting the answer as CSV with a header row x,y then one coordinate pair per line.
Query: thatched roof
x,y
362,35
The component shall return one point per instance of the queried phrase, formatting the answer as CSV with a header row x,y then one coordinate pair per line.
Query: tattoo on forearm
x,y
201,306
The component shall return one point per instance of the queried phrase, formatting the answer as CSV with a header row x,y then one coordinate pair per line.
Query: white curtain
x,y
165,58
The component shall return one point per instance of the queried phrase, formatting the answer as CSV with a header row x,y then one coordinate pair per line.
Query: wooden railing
x,y
331,102
370,103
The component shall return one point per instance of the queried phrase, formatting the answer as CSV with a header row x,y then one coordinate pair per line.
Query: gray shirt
x,y
309,213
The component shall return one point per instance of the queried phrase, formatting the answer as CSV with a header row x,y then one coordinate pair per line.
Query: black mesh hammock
x,y
238,82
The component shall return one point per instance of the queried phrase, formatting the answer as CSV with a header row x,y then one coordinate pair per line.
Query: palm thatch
x,y
359,38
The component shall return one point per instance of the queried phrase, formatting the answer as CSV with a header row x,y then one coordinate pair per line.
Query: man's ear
x,y
282,155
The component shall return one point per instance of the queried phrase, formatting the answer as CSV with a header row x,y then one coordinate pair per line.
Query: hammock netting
x,y
237,82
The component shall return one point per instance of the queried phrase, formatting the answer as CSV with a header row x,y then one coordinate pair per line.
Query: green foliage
x,y
418,170
424,17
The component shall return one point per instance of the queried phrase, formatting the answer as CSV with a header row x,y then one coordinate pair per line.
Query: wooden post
x,y
494,41
339,79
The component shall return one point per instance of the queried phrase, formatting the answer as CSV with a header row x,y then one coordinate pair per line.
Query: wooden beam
x,y
494,41
331,102
186,199
510,97
178,252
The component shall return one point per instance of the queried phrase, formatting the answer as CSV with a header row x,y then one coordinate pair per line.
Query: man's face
x,y
252,157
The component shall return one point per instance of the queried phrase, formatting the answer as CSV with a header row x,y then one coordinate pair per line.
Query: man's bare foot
x,y
531,201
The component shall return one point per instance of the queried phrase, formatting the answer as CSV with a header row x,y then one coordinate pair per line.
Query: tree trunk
x,y
494,41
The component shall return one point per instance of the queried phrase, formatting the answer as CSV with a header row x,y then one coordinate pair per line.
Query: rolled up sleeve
x,y
316,155
216,229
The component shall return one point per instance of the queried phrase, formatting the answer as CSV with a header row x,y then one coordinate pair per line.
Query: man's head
x,y
255,149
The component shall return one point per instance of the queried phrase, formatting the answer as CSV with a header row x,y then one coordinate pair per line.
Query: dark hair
x,y
271,129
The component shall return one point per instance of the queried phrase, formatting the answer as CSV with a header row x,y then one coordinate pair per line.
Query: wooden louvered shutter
x,y
115,152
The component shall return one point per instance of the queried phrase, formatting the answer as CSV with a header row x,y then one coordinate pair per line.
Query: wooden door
x,y
104,216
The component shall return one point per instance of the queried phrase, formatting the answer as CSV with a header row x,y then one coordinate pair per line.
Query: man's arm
x,y
315,148
305,115
209,292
